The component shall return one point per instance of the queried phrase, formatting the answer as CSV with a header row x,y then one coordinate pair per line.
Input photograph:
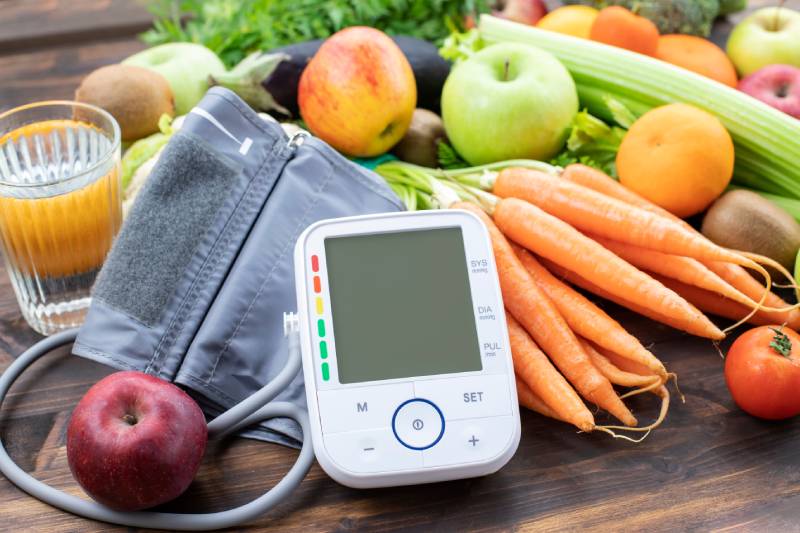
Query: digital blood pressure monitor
x,y
405,353
405,350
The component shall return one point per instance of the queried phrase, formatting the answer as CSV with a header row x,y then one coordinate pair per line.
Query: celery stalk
x,y
767,141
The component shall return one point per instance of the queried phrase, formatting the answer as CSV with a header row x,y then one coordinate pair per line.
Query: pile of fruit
x,y
581,137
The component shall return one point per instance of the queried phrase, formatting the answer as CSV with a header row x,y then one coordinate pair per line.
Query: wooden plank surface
x,y
709,467
55,73
26,24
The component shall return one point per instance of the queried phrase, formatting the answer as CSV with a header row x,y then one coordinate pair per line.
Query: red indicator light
x,y
317,284
315,263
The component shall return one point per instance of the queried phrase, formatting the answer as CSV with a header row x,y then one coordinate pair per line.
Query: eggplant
x,y
268,81
430,70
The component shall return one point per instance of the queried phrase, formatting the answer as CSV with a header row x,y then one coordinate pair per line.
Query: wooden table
x,y
709,467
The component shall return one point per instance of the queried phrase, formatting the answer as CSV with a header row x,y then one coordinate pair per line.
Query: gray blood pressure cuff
x,y
195,286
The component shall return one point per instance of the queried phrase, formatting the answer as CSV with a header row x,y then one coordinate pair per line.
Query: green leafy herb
x,y
448,157
781,342
235,28
459,46
592,142
595,143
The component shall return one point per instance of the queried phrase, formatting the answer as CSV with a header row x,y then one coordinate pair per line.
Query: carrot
x,y
684,269
559,242
585,318
735,275
622,369
538,373
527,398
623,363
541,319
601,182
715,304
690,326
608,217
614,374
738,277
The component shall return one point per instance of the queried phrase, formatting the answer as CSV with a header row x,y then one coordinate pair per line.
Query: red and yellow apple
x,y
358,92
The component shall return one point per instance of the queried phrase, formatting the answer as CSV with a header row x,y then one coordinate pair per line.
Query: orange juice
x,y
59,212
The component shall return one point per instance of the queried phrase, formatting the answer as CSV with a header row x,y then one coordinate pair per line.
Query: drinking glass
x,y
59,206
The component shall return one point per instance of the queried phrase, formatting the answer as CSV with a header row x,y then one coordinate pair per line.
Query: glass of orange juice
x,y
59,206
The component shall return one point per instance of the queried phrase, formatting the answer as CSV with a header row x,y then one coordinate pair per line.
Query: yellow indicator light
x,y
319,305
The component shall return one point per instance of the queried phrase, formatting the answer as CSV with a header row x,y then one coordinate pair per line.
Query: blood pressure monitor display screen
x,y
401,305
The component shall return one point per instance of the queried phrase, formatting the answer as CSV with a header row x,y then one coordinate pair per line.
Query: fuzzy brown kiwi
x,y
135,96
420,144
743,220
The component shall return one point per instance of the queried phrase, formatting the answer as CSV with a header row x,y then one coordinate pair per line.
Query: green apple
x,y
770,36
508,101
186,66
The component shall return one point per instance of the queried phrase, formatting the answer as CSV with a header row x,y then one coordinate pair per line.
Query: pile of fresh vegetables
x,y
581,137
766,139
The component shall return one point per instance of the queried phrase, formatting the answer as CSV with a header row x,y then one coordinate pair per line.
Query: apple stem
x,y
129,419
506,66
777,21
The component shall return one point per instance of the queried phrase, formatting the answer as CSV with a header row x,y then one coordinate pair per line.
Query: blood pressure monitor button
x,y
468,397
471,440
418,424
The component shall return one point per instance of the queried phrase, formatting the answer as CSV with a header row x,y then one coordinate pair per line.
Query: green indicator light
x,y
321,327
326,373
323,349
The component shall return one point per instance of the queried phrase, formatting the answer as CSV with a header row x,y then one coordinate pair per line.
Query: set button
x,y
468,397
418,424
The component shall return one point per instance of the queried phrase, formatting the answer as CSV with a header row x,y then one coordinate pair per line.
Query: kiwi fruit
x,y
743,220
136,97
420,144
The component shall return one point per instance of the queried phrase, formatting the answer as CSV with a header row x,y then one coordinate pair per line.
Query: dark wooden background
x,y
710,467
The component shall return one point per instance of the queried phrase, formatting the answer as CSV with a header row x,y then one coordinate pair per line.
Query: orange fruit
x,y
677,156
621,27
698,55
570,20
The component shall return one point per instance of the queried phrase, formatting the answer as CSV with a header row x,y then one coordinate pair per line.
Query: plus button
x,y
473,441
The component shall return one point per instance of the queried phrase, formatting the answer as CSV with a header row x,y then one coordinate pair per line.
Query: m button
x,y
359,408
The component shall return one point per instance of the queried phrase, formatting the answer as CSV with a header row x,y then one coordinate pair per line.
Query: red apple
x,y
524,11
776,85
135,441
358,92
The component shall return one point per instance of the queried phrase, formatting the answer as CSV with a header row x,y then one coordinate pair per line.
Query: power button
x,y
418,424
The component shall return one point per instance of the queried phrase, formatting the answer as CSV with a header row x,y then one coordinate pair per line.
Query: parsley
x,y
235,28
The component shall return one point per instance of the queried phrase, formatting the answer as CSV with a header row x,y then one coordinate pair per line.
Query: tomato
x,y
762,370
